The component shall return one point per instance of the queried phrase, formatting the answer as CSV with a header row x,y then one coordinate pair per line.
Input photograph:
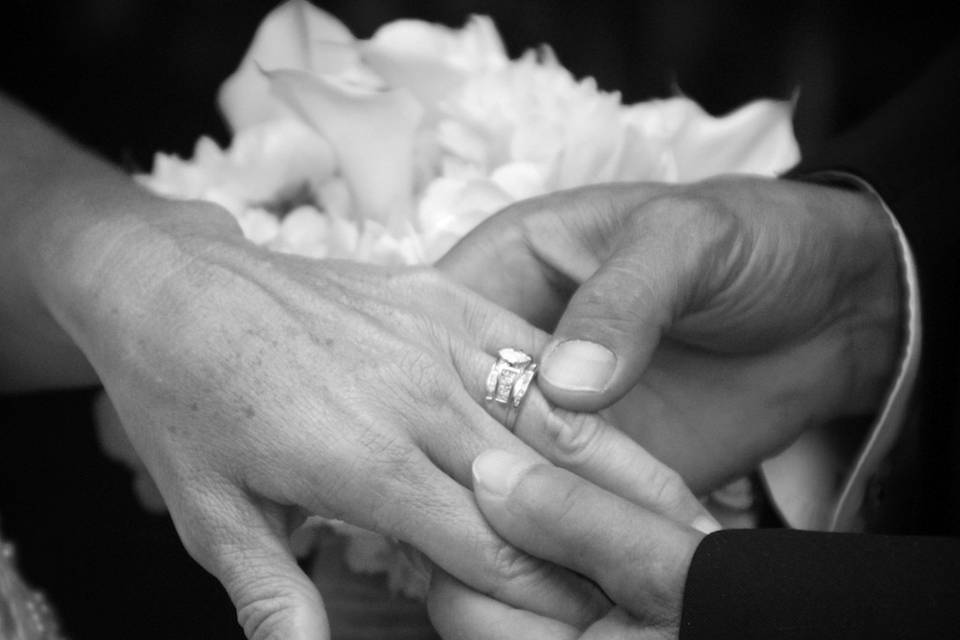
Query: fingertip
x,y
284,611
581,375
273,597
578,366
498,472
706,524
306,623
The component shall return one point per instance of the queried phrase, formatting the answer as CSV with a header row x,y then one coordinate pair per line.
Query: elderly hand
x,y
259,388
638,558
725,316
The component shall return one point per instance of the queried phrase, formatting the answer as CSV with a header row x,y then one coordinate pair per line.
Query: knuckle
x,y
508,566
391,456
509,572
694,218
424,382
665,488
575,438
421,281
395,470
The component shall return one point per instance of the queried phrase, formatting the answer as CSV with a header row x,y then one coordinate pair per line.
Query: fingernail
x,y
578,365
498,471
706,524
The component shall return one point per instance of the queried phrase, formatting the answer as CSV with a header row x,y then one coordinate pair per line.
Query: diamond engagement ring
x,y
509,380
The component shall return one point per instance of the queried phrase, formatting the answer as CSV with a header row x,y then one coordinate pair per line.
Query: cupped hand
x,y
638,558
722,317
259,388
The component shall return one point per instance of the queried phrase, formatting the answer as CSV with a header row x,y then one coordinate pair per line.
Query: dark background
x,y
129,78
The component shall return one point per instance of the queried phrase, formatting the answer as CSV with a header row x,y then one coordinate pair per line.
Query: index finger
x,y
416,502
638,558
530,256
585,443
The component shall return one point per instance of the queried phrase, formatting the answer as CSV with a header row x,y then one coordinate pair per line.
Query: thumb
x,y
614,321
272,595
638,558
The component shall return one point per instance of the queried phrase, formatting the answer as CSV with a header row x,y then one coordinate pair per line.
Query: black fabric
x,y
110,568
787,585
132,77
829,585
910,152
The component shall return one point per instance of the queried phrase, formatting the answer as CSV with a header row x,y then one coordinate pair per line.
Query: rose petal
x,y
451,208
264,163
520,180
644,158
306,232
295,35
432,60
756,138
429,80
259,226
593,143
372,133
475,48
455,205
389,248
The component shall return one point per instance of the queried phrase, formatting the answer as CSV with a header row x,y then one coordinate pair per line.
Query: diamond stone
x,y
523,383
515,357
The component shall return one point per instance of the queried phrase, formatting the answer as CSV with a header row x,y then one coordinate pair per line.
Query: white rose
x,y
389,150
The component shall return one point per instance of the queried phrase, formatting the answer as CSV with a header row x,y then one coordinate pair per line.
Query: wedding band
x,y
509,379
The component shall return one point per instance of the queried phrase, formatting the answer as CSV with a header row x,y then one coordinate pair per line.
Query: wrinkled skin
x,y
727,317
259,388
738,311
638,558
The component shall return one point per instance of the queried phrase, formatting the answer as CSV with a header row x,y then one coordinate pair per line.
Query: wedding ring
x,y
509,379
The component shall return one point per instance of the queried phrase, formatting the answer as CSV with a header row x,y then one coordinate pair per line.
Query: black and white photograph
x,y
490,320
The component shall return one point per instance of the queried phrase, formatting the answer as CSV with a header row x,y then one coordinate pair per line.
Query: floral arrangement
x,y
24,613
390,149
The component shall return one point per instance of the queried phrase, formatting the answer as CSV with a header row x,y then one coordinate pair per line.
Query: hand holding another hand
x,y
639,559
717,320
260,388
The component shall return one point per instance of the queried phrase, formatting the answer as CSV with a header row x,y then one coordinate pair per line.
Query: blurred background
x,y
132,77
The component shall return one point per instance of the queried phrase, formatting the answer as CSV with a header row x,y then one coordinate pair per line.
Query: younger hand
x,y
725,316
639,559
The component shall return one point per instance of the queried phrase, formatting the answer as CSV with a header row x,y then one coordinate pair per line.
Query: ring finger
x,y
583,443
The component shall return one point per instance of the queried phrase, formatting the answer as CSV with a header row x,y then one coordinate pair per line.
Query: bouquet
x,y
390,149
24,613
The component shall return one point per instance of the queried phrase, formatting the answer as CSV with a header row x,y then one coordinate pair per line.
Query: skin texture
x,y
736,312
260,388
639,559
730,315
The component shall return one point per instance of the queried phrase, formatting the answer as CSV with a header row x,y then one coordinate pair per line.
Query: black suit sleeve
x,y
909,151
778,584
798,585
